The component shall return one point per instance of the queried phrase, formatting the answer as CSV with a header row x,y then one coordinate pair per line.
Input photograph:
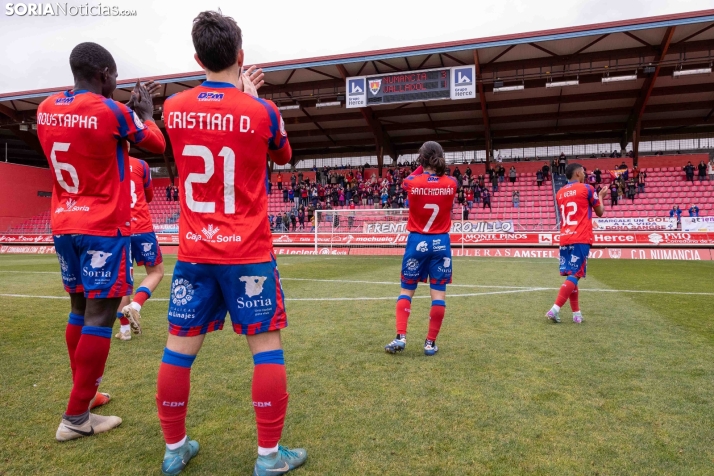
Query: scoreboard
x,y
411,86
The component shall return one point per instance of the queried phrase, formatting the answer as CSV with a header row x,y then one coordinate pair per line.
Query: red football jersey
x,y
576,202
431,199
140,175
221,139
84,136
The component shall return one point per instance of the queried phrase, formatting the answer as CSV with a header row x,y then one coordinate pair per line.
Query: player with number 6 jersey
x,y
576,202
223,135
428,250
85,135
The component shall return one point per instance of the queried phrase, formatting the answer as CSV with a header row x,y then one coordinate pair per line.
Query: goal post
x,y
361,231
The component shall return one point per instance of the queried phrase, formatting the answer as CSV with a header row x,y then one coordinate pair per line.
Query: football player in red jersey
x,y
576,202
85,136
428,250
221,134
145,248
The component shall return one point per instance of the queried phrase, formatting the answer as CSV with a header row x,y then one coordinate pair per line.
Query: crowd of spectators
x,y
172,193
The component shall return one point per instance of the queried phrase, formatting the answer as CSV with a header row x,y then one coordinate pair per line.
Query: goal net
x,y
366,232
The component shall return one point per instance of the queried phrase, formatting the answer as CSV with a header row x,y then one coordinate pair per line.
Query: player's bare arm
x,y
600,209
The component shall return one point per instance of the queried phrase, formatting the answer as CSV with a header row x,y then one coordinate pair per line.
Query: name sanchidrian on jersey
x,y
432,191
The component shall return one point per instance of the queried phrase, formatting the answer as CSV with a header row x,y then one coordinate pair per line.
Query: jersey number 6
x,y
60,166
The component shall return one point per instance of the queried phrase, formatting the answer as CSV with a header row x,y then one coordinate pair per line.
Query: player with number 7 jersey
x,y
428,250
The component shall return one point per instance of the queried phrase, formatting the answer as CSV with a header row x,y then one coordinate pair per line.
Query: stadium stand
x,y
665,187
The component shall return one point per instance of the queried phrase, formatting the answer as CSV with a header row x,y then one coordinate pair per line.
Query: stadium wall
x,y
20,185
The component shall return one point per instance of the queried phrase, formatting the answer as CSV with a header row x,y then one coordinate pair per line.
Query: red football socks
x,y
270,396
89,359
123,321
172,391
71,336
565,291
436,317
404,308
574,305
142,294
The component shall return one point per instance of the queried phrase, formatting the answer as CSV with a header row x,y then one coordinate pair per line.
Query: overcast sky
x,y
35,49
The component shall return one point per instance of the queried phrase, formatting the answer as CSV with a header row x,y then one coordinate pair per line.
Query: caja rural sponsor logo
x,y
210,234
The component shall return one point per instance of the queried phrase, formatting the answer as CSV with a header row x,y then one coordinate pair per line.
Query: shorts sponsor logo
x,y
422,247
147,247
412,264
181,292
99,258
562,261
253,285
447,262
64,268
574,259
254,289
437,246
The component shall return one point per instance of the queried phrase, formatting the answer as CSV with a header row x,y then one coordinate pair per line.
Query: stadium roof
x,y
656,103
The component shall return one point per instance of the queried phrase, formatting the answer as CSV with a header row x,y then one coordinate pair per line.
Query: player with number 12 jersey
x,y
576,203
428,250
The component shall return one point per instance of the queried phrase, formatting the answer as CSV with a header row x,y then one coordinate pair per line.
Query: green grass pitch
x,y
628,392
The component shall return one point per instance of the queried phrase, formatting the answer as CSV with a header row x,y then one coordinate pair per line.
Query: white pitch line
x,y
386,298
397,283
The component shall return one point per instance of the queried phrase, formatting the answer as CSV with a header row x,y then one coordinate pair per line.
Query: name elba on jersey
x,y
206,121
431,191
67,120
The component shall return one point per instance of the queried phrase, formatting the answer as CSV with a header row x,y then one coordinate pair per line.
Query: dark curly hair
x,y
431,156
88,59
217,39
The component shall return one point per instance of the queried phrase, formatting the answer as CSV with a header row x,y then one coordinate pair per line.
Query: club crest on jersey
x,y
64,101
210,96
